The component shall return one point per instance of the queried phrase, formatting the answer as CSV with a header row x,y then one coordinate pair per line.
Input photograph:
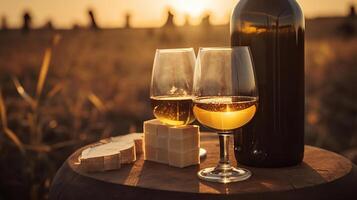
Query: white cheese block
x,y
136,137
182,132
150,139
150,126
184,159
150,153
106,149
110,153
162,156
182,145
163,130
155,127
164,141
103,163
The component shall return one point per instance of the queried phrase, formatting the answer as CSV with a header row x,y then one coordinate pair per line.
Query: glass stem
x,y
224,163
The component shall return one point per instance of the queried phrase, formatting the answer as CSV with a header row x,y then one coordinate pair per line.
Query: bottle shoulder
x,y
271,8
262,12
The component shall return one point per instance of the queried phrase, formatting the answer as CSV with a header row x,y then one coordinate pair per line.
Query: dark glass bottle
x,y
274,30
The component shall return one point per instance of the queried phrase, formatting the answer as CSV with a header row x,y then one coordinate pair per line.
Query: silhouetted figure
x,y
170,19
26,22
348,29
187,20
48,25
352,11
93,23
168,31
3,23
206,20
127,20
76,26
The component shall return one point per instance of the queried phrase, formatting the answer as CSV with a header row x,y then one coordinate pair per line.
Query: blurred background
x,y
72,72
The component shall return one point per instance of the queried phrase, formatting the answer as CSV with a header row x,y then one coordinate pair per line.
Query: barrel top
x,y
318,167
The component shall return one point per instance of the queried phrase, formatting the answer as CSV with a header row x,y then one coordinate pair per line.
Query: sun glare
x,y
193,8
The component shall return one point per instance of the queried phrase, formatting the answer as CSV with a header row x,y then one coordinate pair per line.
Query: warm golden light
x,y
189,7
110,13
250,28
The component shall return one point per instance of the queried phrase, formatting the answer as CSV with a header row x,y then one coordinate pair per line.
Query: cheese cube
x,y
184,138
184,159
162,156
181,132
150,153
182,145
150,139
162,142
156,127
150,126
176,146
163,130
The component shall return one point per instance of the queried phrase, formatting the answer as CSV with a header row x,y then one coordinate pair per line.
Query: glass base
x,y
214,174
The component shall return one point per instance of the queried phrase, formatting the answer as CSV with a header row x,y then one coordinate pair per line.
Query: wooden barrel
x,y
322,175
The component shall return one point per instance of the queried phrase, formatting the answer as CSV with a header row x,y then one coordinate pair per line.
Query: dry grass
x,y
43,73
20,89
97,102
9,133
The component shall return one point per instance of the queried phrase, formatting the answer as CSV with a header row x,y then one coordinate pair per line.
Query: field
x,y
67,88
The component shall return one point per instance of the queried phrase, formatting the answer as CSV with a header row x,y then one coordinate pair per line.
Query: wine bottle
x,y
274,30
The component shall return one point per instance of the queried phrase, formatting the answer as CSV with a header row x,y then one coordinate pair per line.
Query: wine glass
x,y
226,98
171,86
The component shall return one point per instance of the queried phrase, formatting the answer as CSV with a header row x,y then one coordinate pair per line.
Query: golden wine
x,y
225,113
173,110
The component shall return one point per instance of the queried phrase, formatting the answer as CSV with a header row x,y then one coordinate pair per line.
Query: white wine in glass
x,y
173,110
225,113
171,86
226,98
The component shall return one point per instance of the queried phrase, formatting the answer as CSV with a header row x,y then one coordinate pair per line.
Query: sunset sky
x,y
146,13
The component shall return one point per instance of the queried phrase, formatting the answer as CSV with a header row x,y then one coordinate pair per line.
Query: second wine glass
x,y
226,98
171,86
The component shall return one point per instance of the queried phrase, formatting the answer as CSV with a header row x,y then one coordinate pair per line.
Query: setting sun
x,y
189,7
194,10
